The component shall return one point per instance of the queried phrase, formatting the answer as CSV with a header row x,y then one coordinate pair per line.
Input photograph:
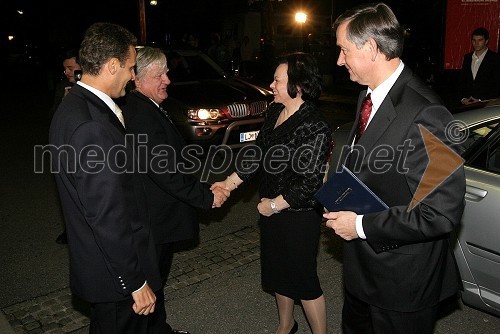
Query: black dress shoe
x,y
178,331
295,328
62,239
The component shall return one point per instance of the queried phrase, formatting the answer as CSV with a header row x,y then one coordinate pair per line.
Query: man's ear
x,y
113,65
373,48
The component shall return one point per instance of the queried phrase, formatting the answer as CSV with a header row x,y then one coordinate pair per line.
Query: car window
x,y
190,68
478,133
486,149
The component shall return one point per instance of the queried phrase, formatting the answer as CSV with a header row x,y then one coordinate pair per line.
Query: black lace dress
x,y
292,163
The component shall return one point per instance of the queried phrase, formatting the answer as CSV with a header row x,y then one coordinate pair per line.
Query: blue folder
x,y
345,192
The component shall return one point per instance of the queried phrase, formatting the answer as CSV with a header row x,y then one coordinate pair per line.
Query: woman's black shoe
x,y
295,328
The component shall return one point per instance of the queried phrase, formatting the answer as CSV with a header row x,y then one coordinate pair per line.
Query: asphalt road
x,y
34,265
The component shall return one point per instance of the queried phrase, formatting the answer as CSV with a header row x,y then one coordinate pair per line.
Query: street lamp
x,y
300,18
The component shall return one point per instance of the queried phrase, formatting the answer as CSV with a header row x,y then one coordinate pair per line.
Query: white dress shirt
x,y
378,96
476,63
106,99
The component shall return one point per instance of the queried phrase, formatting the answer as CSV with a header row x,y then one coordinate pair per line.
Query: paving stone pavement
x,y
60,312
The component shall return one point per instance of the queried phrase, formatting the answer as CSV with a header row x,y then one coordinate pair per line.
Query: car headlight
x,y
205,114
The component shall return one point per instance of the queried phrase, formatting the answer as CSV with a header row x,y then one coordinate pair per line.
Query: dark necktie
x,y
366,109
166,114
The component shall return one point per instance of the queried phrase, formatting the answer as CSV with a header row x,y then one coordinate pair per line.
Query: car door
x,y
478,236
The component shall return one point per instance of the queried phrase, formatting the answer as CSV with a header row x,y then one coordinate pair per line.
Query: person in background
x,y
70,65
172,195
480,74
290,218
246,53
219,52
398,264
113,263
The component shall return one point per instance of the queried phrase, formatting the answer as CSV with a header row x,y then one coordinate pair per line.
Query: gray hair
x,y
146,57
375,21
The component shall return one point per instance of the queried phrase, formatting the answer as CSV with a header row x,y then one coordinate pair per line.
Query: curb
x,y
5,327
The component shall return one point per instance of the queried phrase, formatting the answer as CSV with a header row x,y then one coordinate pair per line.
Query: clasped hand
x,y
470,100
343,223
220,195
264,207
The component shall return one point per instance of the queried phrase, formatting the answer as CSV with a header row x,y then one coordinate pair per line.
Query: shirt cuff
x,y
359,227
140,287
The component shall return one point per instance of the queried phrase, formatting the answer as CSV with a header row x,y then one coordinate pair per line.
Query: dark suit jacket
x,y
487,83
172,195
405,264
110,246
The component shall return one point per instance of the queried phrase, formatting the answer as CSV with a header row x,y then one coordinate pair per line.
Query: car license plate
x,y
248,136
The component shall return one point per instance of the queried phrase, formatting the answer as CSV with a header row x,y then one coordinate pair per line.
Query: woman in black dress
x,y
290,154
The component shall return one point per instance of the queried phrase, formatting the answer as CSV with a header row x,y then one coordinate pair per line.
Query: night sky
x,y
60,22
51,26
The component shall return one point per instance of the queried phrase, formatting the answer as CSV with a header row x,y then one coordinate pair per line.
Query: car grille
x,y
239,110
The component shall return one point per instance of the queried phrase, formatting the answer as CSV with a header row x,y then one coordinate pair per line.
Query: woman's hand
x,y
264,207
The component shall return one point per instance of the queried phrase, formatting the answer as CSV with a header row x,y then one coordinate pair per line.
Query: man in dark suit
x,y
480,74
397,263
113,263
172,195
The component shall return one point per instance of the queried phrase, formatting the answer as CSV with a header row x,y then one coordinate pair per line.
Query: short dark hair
x,y
71,53
103,41
303,74
375,21
481,32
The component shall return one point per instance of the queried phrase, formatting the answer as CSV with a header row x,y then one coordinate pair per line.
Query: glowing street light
x,y
300,18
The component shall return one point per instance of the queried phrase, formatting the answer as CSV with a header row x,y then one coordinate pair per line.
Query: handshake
x,y
222,189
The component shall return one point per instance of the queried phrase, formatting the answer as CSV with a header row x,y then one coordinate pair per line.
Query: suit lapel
x,y
386,113
105,113
378,125
164,118
484,65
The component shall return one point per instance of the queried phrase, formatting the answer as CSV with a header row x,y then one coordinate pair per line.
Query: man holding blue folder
x,y
398,264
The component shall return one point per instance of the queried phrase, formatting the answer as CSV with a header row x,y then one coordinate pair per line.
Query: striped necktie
x,y
366,109
166,114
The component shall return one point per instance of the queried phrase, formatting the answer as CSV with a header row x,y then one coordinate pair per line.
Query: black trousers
x,y
165,254
120,318
359,317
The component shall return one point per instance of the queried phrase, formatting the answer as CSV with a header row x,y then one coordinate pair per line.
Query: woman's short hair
x,y
303,74
375,21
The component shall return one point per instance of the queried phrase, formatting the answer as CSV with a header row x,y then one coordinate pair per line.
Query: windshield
x,y
191,68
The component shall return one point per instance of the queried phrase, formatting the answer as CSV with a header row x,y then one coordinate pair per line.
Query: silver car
x,y
477,247
477,241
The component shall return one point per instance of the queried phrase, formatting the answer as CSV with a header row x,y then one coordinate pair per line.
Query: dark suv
x,y
210,107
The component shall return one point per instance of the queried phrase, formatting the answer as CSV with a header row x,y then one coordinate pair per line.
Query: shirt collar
x,y
481,57
156,104
103,96
379,93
